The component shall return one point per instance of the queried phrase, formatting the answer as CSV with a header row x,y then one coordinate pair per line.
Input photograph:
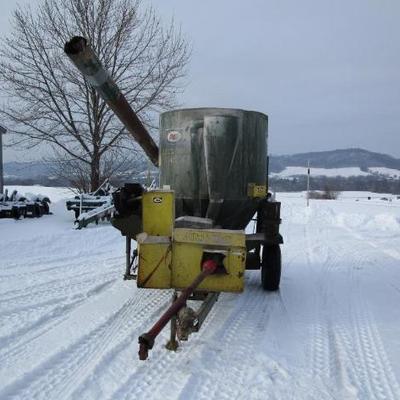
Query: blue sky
x,y
326,72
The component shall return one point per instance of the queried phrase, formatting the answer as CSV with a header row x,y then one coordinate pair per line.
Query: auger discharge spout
x,y
84,58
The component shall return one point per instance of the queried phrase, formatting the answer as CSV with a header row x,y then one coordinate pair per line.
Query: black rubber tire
x,y
46,208
271,267
38,211
15,213
34,211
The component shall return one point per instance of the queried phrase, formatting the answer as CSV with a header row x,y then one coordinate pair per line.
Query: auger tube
x,y
84,58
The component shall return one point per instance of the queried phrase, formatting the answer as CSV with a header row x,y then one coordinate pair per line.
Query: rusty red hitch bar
x,y
146,341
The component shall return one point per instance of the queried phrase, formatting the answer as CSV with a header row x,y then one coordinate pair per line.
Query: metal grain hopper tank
x,y
190,232
209,156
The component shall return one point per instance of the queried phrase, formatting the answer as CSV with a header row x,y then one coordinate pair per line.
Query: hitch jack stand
x,y
146,341
129,274
172,344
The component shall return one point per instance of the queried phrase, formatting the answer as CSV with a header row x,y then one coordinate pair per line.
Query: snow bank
x,y
54,193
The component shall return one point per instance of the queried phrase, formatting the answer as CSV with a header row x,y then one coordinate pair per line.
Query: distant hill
x,y
40,172
338,170
27,170
343,158
346,169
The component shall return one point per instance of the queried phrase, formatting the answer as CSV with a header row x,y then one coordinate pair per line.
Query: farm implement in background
x,y
19,206
92,207
102,213
190,232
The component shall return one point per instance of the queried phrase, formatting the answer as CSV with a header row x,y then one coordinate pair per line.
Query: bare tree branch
x,y
48,101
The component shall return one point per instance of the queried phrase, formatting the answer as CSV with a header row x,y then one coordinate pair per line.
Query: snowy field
x,y
347,172
69,323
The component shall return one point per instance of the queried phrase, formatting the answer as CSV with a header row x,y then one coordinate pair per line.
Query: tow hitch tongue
x,y
146,341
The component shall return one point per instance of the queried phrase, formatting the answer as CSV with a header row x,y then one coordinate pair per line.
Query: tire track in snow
x,y
352,353
234,364
344,363
381,379
320,262
319,333
60,375
353,371
126,336
29,312
367,366
348,368
63,265
165,376
79,249
326,347
16,343
358,367
160,374
380,374
149,376
324,338
57,288
235,344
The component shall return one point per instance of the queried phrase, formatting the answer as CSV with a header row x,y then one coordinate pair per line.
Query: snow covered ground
x,y
69,323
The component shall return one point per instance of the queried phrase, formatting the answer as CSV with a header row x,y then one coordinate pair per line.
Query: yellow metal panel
x,y
254,190
154,269
210,237
164,265
188,248
158,212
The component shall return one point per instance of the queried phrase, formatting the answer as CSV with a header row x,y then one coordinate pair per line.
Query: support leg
x,y
146,341
172,344
128,274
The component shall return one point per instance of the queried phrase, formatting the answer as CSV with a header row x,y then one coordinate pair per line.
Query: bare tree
x,y
114,164
50,102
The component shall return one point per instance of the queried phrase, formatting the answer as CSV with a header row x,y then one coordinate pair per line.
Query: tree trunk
x,y
95,172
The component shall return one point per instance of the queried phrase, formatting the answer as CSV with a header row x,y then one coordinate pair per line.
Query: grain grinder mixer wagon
x,y
190,232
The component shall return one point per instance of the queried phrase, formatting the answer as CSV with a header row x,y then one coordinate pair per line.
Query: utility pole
x,y
2,132
308,183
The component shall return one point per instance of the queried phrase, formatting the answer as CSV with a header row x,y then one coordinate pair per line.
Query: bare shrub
x,y
326,194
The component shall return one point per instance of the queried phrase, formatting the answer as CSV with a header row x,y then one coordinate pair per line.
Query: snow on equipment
x,y
190,232
92,207
17,206
103,212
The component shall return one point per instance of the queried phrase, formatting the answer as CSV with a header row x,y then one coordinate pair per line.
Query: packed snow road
x,y
69,323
